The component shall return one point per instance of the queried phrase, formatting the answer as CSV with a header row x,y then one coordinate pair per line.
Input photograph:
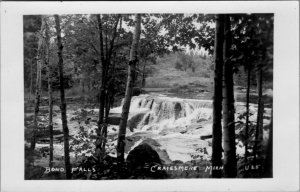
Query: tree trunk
x,y
111,88
144,75
129,86
50,118
47,43
217,99
101,93
38,85
111,84
260,110
136,75
63,106
106,40
104,129
228,108
268,165
247,110
31,77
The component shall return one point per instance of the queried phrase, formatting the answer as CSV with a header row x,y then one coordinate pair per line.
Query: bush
x,y
178,65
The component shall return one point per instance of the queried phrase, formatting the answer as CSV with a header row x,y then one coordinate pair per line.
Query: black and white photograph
x,y
152,96
145,96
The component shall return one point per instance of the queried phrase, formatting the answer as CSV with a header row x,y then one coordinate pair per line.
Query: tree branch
x,y
89,43
113,37
101,39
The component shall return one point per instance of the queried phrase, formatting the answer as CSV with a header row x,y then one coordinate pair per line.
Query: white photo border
x,y
286,95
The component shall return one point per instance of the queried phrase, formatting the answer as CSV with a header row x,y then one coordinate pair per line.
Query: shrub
x,y
178,65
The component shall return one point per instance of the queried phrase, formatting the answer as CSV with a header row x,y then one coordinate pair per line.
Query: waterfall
x,y
150,112
180,127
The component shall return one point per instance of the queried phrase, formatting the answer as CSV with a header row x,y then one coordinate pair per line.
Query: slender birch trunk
x,y
129,87
101,92
260,111
63,106
49,74
247,110
31,82
38,85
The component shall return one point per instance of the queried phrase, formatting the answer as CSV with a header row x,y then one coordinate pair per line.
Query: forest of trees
x,y
106,56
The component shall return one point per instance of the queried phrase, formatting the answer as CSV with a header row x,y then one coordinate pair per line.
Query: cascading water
x,y
157,113
179,127
175,124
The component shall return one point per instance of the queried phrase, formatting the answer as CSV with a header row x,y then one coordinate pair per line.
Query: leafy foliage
x,y
249,168
184,62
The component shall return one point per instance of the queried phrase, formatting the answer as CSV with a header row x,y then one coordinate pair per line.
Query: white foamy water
x,y
177,124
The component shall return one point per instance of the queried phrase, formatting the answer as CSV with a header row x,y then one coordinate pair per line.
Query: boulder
x,y
135,120
177,110
140,160
141,155
136,91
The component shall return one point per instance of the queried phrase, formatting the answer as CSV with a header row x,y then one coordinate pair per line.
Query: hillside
x,y
166,77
